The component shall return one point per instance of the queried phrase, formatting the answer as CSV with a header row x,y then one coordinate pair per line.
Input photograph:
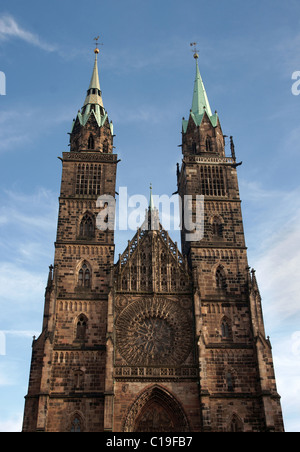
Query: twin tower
x,y
162,340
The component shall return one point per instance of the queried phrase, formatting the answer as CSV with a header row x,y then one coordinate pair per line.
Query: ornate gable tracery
x,y
152,263
153,310
154,331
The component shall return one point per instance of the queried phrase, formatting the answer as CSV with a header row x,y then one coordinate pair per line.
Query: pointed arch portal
x,y
156,410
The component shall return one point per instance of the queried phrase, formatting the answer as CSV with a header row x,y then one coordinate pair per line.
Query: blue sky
x,y
248,53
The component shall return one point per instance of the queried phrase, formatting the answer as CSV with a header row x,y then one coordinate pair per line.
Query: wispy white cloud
x,y
287,51
287,368
274,236
273,212
21,333
18,285
13,424
9,28
277,268
26,250
27,220
21,206
12,138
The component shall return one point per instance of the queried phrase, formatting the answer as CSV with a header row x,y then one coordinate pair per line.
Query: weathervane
x,y
97,44
194,45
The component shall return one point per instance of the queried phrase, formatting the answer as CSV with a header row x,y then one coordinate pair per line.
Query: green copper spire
x,y
200,100
94,92
93,104
200,103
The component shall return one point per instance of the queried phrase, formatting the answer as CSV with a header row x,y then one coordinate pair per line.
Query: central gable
x,y
152,263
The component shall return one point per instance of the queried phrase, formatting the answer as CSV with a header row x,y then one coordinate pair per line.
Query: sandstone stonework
x,y
163,340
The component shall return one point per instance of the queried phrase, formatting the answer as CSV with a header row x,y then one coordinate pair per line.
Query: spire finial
x,y
96,51
151,203
151,199
195,50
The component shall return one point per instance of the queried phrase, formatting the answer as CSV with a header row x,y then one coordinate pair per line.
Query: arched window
x,y
208,144
81,327
217,227
229,381
91,142
76,425
84,276
220,279
225,330
87,229
236,425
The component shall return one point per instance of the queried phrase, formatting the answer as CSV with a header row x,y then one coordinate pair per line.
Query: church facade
x,y
163,340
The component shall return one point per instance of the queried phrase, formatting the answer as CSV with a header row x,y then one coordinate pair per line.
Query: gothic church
x,y
163,340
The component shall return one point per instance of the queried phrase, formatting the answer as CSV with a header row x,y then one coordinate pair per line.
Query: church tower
x,y
163,340
236,376
67,376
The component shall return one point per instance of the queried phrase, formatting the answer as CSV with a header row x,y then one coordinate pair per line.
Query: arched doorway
x,y
156,410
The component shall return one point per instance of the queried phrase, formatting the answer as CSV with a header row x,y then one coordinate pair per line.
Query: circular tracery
x,y
153,332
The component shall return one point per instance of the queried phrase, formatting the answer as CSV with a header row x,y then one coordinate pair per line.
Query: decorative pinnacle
x,y
151,203
194,45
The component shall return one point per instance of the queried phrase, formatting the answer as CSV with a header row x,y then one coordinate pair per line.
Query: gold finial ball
x,y
196,56
96,50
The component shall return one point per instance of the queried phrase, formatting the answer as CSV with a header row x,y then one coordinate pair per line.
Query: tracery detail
x,y
154,332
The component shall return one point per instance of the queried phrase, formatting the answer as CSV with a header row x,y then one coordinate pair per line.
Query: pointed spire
x,y
151,202
200,102
50,278
153,217
93,104
200,99
94,92
95,76
151,222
